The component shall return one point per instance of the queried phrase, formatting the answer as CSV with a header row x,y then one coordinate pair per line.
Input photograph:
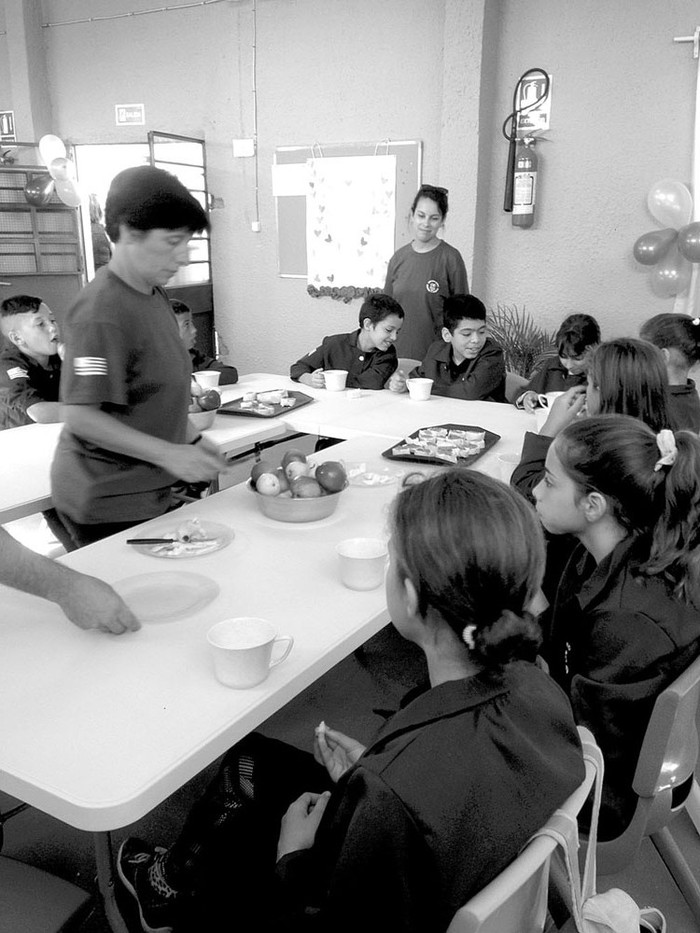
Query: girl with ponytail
x,y
625,621
396,835
678,338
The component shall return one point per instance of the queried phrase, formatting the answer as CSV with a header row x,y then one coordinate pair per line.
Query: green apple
x,y
267,484
305,487
293,454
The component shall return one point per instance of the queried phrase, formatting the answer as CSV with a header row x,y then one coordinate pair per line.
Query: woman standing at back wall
x,y
424,272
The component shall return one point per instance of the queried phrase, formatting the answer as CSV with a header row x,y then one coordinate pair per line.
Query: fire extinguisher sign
x,y
536,119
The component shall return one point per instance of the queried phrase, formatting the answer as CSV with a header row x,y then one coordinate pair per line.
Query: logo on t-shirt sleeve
x,y
90,366
16,372
432,286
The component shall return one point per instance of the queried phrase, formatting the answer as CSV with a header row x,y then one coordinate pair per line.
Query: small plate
x,y
222,536
368,475
166,596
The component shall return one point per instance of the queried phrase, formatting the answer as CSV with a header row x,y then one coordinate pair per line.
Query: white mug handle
x,y
290,643
543,400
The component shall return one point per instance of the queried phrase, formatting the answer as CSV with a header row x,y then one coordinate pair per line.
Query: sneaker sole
x,y
132,891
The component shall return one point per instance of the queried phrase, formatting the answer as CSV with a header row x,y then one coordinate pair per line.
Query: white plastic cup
x,y
362,562
419,389
242,650
207,378
548,399
506,464
334,379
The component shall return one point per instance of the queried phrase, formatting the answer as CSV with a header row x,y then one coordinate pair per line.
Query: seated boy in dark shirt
x,y
30,368
188,333
466,363
368,354
577,334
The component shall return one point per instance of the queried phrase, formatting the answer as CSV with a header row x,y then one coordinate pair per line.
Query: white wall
x,y
328,71
621,120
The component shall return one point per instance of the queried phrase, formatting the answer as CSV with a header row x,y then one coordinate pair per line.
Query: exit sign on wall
x,y
130,114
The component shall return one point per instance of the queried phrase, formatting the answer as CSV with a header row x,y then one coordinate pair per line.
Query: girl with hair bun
x,y
625,621
678,338
396,835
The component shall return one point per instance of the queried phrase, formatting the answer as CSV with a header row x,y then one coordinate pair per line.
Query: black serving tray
x,y
234,407
489,440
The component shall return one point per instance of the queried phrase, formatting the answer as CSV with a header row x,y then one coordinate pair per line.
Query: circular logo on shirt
x,y
432,286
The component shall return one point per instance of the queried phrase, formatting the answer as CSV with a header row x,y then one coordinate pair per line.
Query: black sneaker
x,y
156,910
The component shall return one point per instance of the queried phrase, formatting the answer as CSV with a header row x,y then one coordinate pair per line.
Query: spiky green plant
x,y
522,340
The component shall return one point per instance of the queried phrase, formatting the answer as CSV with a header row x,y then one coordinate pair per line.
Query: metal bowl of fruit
x,y
203,407
297,493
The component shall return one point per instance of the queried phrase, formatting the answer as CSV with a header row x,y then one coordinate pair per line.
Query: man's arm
x,y
87,601
45,412
183,461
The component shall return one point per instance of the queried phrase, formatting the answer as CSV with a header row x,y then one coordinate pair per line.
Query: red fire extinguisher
x,y
524,183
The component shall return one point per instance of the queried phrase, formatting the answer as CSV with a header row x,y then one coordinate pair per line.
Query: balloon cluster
x,y
61,176
672,249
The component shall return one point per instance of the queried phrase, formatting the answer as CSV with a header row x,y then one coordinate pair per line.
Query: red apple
x,y
209,400
282,477
331,476
305,487
260,467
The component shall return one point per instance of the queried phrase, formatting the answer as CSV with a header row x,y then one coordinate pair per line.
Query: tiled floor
x,y
344,698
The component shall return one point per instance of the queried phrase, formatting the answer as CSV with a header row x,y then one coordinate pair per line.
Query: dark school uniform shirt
x,y
550,376
614,639
685,405
229,374
23,383
367,369
124,355
483,378
420,282
439,803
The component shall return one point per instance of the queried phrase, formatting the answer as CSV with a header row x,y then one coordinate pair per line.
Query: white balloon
x,y
61,169
670,202
50,148
68,192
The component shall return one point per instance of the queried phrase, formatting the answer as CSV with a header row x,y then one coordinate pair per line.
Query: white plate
x,y
370,475
222,536
164,597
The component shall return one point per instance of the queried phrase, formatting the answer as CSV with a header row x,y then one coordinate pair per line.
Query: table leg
x,y
104,859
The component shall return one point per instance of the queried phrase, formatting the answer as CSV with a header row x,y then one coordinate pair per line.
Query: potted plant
x,y
522,340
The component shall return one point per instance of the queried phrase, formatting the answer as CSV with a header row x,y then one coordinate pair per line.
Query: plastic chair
x,y
34,901
406,364
514,385
664,784
516,901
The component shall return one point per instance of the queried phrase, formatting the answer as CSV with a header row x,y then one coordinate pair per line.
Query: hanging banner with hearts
x,y
350,217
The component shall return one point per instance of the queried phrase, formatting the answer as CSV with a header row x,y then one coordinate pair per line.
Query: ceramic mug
x,y
243,650
419,389
334,379
362,562
548,399
207,378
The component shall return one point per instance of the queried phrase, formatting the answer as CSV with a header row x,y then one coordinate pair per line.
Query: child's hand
x,y
300,822
314,379
565,409
336,751
397,381
529,402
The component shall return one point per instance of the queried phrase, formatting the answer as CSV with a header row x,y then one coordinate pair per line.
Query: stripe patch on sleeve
x,y
16,372
90,366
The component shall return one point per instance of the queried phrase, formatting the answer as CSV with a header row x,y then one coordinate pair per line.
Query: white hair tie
x,y
468,635
695,321
666,442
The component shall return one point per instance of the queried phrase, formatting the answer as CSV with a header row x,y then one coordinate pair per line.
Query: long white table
x,y
26,453
98,730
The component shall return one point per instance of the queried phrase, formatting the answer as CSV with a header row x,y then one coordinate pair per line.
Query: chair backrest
x,y
516,901
667,761
406,364
514,385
